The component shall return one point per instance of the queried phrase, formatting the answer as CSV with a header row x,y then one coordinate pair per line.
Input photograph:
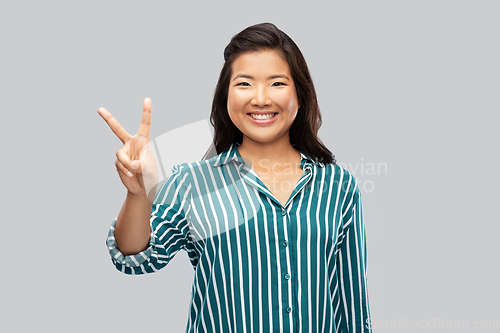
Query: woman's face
x,y
261,86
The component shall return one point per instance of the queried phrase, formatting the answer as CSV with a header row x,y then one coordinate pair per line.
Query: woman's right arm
x,y
136,167
132,228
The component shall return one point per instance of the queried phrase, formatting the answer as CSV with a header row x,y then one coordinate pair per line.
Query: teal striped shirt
x,y
261,266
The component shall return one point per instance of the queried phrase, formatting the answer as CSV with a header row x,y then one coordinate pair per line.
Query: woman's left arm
x,y
351,261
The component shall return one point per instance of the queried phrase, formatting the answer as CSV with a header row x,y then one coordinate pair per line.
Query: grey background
x,y
412,85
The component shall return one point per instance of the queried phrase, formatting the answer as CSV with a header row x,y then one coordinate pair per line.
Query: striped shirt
x,y
261,266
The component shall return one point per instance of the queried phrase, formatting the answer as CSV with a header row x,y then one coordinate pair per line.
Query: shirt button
x,y
287,276
285,243
288,309
283,212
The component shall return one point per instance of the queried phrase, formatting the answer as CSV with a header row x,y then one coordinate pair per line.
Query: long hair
x,y
304,130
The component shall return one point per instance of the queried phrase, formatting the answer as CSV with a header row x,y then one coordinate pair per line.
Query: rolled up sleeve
x,y
169,227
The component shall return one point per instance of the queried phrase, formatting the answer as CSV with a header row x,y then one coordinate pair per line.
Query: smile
x,y
262,119
262,116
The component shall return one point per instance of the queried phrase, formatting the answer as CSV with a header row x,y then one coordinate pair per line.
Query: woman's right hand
x,y
135,161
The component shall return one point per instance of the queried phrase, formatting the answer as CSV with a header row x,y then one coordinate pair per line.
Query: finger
x,y
124,159
146,118
136,166
120,167
115,126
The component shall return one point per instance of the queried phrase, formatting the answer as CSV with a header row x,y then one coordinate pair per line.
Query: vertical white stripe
x,y
358,268
300,277
278,261
328,240
269,265
319,252
309,258
250,266
240,265
236,223
289,271
336,209
259,256
363,262
342,287
351,288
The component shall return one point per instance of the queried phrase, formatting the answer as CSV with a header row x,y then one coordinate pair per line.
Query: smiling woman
x,y
254,50
272,225
261,94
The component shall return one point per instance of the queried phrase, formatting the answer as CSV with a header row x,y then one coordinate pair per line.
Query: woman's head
x,y
303,131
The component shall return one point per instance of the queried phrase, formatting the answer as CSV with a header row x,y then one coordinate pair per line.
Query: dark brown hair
x,y
304,130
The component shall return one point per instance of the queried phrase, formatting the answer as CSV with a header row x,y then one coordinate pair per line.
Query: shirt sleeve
x,y
354,312
169,227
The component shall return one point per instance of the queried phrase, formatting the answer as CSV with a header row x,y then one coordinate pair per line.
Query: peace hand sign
x,y
135,163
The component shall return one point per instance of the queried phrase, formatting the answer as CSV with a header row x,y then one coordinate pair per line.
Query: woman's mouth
x,y
262,118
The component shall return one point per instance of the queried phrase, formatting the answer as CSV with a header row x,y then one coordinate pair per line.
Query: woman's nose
x,y
261,98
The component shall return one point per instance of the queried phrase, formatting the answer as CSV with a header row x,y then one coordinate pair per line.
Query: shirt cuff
x,y
117,257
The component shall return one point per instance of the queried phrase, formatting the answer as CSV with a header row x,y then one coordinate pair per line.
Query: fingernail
x,y
130,174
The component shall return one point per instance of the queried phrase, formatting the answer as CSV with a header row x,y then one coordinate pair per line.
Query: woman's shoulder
x,y
336,169
189,167
205,166
340,175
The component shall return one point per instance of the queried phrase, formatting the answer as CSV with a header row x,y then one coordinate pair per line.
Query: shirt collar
x,y
232,154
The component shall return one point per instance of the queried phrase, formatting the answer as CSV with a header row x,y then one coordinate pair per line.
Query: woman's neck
x,y
258,153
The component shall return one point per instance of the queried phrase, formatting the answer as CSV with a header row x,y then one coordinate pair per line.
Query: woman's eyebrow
x,y
243,76
279,76
272,77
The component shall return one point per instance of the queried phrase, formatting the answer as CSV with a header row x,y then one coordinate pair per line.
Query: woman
x,y
272,226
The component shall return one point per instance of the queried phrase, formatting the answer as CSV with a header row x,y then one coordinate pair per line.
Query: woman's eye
x,y
243,84
278,84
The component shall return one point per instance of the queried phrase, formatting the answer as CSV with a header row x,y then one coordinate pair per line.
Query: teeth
x,y
262,117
